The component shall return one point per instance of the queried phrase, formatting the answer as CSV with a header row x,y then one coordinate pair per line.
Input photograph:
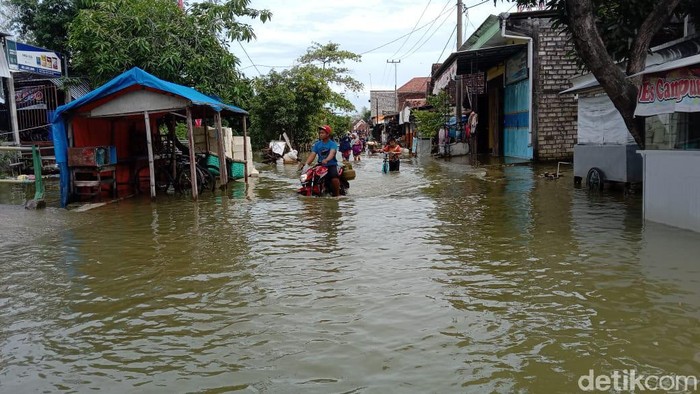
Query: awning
x,y
581,83
471,61
673,64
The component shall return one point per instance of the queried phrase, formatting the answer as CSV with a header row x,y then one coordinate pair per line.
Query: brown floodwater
x,y
445,277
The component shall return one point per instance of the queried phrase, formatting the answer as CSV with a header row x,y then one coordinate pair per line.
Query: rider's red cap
x,y
327,128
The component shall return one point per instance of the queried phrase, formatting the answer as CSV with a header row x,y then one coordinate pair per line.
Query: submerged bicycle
x,y
390,164
181,183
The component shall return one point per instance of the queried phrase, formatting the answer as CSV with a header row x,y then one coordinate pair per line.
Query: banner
x,y
32,59
446,77
31,97
673,91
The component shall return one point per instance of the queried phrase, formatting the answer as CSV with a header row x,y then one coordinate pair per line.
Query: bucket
x,y
348,174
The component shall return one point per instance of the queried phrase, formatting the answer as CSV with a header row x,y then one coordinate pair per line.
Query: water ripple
x,y
445,277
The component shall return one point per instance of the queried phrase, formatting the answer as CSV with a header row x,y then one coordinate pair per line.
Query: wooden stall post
x,y
172,127
223,171
193,164
149,145
245,150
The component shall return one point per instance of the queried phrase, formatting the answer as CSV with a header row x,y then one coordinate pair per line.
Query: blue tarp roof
x,y
135,76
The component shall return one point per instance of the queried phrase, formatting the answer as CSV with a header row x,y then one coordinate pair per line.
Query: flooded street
x,y
441,278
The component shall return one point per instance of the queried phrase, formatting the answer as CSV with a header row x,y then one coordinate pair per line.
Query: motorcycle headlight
x,y
302,178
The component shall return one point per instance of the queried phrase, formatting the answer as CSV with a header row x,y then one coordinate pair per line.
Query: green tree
x,y
331,60
295,101
114,35
43,22
366,115
429,121
607,31
223,18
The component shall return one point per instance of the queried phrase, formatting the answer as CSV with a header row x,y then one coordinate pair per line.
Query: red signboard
x,y
673,91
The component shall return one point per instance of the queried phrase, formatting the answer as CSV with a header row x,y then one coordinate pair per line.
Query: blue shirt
x,y
322,149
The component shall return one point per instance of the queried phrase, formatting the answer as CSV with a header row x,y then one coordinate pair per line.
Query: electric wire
x,y
442,12
449,40
447,14
414,49
264,65
414,28
249,59
396,39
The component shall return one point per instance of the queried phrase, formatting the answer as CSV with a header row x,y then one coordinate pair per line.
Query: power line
x,y
263,65
251,60
449,40
414,28
412,50
409,33
483,2
426,32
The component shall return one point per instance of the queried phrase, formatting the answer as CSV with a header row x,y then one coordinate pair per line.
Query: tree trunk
x,y
590,47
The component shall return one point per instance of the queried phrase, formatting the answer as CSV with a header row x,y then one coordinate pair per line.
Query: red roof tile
x,y
417,84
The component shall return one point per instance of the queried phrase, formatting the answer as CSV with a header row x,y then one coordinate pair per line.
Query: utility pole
x,y
396,94
458,78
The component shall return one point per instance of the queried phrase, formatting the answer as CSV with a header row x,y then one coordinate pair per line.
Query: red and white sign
x,y
673,91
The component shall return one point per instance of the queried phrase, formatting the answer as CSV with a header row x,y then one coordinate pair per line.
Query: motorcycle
x,y
313,181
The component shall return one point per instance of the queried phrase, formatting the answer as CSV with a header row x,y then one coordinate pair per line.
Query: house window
x,y
675,131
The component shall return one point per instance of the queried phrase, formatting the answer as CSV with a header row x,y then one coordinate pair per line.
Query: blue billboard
x,y
24,57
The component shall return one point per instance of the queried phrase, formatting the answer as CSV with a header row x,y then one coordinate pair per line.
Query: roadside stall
x,y
605,150
669,98
103,139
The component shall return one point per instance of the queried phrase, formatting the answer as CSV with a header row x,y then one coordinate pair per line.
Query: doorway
x,y
495,116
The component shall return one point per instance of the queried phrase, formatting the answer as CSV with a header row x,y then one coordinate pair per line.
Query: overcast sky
x,y
416,32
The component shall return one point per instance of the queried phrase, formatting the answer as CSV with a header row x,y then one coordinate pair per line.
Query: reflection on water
x,y
444,277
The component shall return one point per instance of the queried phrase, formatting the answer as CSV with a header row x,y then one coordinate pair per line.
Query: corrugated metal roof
x,y
678,63
679,53
76,90
475,60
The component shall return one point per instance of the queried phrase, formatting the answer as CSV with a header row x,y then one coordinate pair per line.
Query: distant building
x,y
416,88
522,63
361,127
382,102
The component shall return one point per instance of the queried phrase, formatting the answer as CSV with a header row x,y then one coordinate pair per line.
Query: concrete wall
x,y
382,100
672,188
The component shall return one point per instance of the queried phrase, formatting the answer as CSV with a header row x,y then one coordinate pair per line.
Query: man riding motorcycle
x,y
325,149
